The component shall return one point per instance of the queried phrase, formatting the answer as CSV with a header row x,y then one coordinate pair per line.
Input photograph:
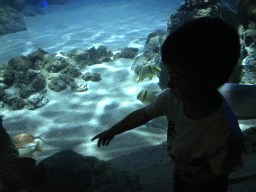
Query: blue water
x,y
70,120
80,24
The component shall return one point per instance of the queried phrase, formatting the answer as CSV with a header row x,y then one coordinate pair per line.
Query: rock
x,y
57,64
25,91
10,21
153,46
39,65
79,86
249,69
57,84
1,104
151,52
213,9
91,56
14,101
67,79
29,73
140,62
36,101
49,57
21,174
69,171
22,78
37,55
7,77
2,94
3,86
38,82
3,67
20,63
195,4
246,10
91,76
29,82
129,52
117,56
71,71
158,32
16,173
102,54
16,4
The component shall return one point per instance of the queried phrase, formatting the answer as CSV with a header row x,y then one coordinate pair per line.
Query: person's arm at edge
x,y
131,121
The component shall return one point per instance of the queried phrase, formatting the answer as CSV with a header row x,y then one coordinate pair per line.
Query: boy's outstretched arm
x,y
131,121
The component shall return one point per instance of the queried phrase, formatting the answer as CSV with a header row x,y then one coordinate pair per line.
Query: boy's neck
x,y
202,106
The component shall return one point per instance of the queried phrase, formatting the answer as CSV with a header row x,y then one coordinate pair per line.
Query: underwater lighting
x,y
102,91
131,90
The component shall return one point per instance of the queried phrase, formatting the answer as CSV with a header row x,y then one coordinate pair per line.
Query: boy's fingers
x,y
97,136
99,142
93,138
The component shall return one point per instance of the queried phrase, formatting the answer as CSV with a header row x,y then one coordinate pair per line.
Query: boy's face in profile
x,y
182,86
199,101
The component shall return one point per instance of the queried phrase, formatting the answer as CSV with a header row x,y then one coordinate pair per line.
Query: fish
x,y
23,139
29,152
146,97
148,72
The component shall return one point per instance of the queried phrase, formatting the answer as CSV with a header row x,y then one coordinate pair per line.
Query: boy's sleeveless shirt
x,y
217,139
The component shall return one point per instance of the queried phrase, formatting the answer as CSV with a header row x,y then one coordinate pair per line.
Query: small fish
x,y
146,97
148,72
23,139
29,152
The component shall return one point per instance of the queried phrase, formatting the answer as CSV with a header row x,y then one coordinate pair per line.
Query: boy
x,y
204,139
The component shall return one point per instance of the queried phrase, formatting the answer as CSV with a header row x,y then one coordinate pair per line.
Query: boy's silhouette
x,y
204,139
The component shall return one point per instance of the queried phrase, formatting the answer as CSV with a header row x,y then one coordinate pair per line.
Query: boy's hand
x,y
105,136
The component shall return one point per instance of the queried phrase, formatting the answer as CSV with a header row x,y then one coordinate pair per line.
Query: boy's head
x,y
205,50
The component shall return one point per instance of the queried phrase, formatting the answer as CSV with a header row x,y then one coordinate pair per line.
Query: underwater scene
x,y
74,61
70,69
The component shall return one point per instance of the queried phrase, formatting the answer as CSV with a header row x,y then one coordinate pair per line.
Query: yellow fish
x,y
146,97
148,72
23,139
29,152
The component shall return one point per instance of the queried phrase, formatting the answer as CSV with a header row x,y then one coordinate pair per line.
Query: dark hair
x,y
206,49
